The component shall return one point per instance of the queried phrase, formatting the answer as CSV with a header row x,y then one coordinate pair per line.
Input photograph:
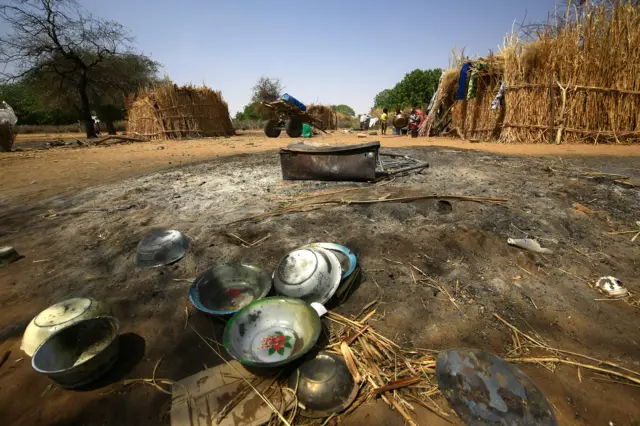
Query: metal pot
x,y
79,354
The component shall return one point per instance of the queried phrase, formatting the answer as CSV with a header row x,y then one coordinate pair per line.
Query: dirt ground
x,y
199,187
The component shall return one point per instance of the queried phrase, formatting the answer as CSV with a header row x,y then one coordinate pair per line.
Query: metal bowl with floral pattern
x,y
273,331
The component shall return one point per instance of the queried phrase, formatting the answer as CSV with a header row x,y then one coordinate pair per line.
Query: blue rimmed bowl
x,y
225,289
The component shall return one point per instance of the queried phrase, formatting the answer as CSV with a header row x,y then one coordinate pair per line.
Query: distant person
x,y
414,119
383,120
396,131
365,119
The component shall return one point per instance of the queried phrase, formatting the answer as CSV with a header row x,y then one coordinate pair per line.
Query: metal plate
x,y
486,390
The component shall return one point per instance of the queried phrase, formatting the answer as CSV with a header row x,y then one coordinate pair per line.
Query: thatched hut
x,y
171,112
326,114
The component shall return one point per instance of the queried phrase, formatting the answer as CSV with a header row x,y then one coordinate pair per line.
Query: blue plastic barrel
x,y
288,97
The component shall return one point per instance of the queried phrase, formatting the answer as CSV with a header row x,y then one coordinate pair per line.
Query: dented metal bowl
x,y
59,316
161,247
486,390
310,274
272,332
345,256
225,289
325,385
79,354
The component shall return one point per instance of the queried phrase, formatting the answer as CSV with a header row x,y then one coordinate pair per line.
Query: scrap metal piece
x,y
486,390
355,163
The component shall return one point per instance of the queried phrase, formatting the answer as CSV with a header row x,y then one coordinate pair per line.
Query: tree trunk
x,y
111,129
85,109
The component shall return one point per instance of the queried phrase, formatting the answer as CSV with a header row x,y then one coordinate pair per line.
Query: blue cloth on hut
x,y
462,86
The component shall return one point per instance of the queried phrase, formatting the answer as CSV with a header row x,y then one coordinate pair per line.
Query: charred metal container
x,y
355,163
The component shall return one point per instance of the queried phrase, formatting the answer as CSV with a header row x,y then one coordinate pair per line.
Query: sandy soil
x,y
73,168
462,245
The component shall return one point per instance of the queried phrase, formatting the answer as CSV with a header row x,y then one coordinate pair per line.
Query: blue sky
x,y
331,52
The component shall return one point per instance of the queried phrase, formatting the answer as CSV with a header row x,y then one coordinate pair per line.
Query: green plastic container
x,y
306,131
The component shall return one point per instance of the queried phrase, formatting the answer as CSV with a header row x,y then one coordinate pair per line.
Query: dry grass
x,y
172,112
445,101
28,129
325,114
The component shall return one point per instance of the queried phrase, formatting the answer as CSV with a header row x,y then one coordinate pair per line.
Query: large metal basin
x,y
355,163
79,354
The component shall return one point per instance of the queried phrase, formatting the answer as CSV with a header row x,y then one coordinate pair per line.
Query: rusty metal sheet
x,y
355,163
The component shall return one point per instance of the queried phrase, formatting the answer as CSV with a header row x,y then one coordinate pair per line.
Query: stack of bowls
x,y
314,272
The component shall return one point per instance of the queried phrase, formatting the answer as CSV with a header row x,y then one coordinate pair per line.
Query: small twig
x,y
578,364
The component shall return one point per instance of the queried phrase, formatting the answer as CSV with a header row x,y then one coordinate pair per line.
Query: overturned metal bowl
x,y
310,274
325,385
161,247
79,354
486,390
272,332
59,316
225,289
345,256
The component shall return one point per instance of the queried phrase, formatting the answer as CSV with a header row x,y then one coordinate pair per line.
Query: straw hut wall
x,y
440,115
474,118
171,112
325,114
579,82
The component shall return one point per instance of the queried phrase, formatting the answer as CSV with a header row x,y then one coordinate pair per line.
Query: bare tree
x,y
267,90
59,39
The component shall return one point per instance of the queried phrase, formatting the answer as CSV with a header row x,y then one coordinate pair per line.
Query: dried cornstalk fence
x,y
171,112
579,81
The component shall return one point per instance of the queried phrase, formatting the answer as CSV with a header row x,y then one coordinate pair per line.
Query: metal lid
x,y
62,312
297,267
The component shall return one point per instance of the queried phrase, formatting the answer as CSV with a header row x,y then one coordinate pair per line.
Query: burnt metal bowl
x,y
273,331
161,247
225,289
79,354
486,390
325,385
312,274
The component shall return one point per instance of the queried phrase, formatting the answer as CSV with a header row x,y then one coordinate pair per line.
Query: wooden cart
x,y
290,118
